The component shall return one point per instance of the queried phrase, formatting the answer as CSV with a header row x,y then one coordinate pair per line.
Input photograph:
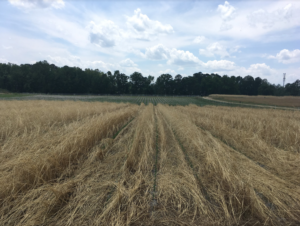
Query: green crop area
x,y
169,100
12,95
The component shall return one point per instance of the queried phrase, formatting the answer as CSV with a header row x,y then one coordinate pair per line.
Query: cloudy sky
x,y
258,38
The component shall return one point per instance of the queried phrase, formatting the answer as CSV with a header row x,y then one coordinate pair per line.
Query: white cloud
x,y
287,57
167,71
146,28
260,69
174,56
158,52
235,49
33,4
230,68
71,61
127,63
6,47
199,39
129,70
227,11
225,26
214,49
3,60
75,61
104,34
269,19
180,68
181,57
102,66
220,65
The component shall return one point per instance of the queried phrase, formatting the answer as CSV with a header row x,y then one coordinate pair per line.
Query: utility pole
x,y
284,74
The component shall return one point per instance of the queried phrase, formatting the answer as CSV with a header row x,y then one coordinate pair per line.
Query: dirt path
x,y
254,105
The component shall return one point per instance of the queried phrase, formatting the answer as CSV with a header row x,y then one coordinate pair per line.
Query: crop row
x,y
128,164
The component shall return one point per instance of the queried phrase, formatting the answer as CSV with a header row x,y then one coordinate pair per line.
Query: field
x,y
170,100
100,163
285,101
12,95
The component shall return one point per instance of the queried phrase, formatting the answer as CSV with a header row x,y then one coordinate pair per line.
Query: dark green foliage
x,y
43,77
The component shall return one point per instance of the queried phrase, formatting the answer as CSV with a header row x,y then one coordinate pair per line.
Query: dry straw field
x,y
80,163
280,101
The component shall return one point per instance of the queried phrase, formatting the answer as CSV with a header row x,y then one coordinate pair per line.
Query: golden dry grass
x,y
76,163
285,101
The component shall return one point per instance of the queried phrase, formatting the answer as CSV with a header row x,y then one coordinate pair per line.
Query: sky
x,y
240,38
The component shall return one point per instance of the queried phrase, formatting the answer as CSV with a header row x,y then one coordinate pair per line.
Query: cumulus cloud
x,y
167,71
158,52
287,57
269,19
75,61
174,56
260,69
33,4
199,39
185,58
104,34
228,67
145,27
214,49
102,66
127,63
220,65
72,61
181,57
227,11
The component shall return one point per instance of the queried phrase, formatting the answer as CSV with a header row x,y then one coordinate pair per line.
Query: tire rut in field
x,y
176,170
190,164
153,203
135,181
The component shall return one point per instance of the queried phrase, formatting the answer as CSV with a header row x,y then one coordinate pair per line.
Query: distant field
x,y
12,95
101,163
286,101
170,100
173,100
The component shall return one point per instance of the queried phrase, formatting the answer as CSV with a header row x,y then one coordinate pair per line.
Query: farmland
x,y
104,163
284,101
170,100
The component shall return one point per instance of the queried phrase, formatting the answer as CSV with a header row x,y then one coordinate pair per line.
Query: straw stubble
x,y
76,163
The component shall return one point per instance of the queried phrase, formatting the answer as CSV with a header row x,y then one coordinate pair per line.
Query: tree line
x,y
43,77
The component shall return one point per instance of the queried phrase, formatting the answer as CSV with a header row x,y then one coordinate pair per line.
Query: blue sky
x,y
258,38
